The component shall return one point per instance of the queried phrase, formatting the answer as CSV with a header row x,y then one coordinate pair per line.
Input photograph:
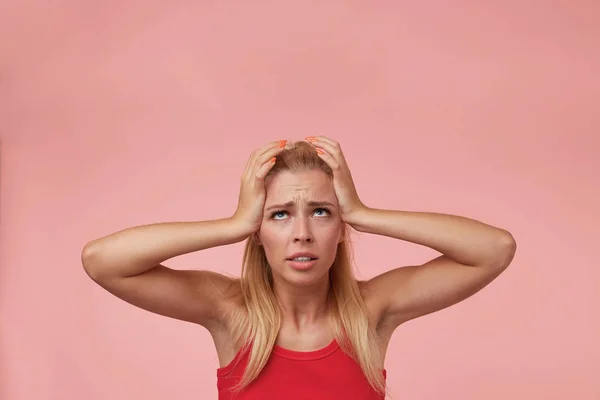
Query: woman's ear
x,y
256,239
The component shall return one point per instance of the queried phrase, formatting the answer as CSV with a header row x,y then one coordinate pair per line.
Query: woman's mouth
x,y
302,261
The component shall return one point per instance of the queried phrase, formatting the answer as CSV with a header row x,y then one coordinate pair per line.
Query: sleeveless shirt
x,y
323,374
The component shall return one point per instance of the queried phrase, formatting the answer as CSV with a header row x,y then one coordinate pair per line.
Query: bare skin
x,y
473,254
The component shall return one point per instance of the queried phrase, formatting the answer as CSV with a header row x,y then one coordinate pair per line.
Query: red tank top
x,y
323,374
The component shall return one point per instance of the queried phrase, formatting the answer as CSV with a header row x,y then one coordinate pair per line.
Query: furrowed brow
x,y
291,204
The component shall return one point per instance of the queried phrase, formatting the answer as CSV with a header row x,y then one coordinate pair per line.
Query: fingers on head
x,y
264,155
264,169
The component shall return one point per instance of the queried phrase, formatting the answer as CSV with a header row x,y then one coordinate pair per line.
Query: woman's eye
x,y
277,214
322,210
281,214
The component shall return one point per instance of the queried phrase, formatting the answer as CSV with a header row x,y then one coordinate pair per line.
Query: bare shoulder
x,y
373,302
231,305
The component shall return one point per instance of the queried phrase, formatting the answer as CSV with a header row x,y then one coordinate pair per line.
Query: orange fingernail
x,y
273,159
310,138
282,143
320,151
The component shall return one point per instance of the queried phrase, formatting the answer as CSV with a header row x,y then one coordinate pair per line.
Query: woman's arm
x,y
128,264
135,250
473,255
464,240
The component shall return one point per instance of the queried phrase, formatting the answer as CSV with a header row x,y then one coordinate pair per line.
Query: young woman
x,y
297,324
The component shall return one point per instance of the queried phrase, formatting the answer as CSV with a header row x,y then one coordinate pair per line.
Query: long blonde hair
x,y
258,325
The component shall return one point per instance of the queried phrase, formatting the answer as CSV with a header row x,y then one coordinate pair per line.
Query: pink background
x,y
123,113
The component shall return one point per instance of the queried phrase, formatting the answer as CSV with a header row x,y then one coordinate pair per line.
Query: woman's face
x,y
300,216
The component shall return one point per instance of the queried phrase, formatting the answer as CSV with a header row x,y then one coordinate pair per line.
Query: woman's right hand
x,y
252,196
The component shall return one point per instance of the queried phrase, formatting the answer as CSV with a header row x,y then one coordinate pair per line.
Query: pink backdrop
x,y
123,113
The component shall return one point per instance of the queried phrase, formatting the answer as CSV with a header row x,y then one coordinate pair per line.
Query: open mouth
x,y
302,259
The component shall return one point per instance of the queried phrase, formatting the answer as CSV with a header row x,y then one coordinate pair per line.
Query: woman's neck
x,y
303,306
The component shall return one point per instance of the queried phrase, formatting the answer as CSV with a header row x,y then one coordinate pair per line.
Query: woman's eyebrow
x,y
310,203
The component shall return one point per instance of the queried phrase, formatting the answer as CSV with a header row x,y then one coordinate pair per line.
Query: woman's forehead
x,y
300,186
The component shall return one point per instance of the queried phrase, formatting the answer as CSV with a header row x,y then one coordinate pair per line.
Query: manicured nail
x,y
310,138
320,151
273,159
282,143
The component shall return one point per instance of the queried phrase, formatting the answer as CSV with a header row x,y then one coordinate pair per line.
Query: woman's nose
x,y
302,231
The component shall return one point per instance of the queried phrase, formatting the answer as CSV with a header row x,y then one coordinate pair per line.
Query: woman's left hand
x,y
348,200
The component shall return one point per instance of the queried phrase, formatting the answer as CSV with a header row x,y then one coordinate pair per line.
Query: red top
x,y
323,374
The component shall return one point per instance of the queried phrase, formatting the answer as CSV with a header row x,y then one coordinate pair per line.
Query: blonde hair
x,y
258,325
